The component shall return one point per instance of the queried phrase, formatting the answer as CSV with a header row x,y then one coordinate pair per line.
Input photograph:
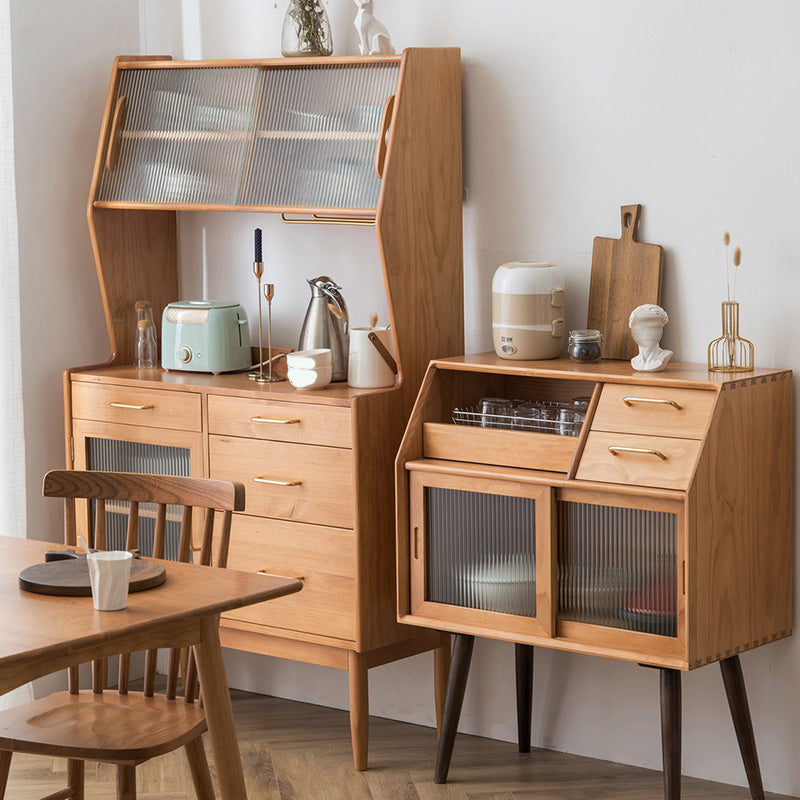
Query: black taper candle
x,y
258,245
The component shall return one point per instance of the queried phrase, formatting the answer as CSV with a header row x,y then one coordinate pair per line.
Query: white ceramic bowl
x,y
309,359
309,378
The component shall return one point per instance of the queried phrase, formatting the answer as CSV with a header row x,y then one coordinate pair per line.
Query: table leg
x,y
456,685
5,766
743,725
523,655
441,672
671,732
219,712
358,675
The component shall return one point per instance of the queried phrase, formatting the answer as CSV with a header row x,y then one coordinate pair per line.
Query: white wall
x,y
571,109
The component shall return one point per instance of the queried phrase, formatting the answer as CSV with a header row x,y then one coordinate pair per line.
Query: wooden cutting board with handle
x,y
625,273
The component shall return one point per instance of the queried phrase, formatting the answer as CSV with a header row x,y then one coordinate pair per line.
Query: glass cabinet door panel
x,y
481,550
617,567
121,456
182,135
316,132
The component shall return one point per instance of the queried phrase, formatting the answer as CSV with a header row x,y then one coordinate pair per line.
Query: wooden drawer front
x,y
683,413
642,463
502,448
324,558
281,422
311,484
152,408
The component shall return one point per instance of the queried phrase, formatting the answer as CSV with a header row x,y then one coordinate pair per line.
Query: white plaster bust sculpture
x,y
647,324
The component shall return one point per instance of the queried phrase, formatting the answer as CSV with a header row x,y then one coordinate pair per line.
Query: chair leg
x,y
75,777
456,685
5,767
743,725
671,732
523,654
198,767
126,782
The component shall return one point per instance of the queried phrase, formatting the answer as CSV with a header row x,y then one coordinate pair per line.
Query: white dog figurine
x,y
373,38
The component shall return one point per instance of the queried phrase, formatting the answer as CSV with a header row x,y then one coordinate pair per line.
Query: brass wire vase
x,y
730,352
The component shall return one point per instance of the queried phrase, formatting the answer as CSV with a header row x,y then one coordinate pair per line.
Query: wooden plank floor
x,y
296,751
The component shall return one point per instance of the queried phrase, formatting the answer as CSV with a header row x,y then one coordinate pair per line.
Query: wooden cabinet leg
x,y
523,655
441,672
359,708
671,732
457,683
743,725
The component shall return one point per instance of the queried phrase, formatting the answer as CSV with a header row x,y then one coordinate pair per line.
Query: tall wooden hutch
x,y
373,140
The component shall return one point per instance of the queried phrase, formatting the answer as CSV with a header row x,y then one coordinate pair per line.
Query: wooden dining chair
x,y
126,728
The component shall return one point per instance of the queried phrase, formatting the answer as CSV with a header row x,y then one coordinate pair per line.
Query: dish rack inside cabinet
x,y
541,416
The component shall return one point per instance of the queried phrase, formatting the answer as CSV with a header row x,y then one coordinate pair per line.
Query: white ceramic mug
x,y
109,575
366,367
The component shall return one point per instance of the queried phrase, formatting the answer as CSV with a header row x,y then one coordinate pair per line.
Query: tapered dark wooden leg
x,y
740,711
523,654
671,732
456,684
5,766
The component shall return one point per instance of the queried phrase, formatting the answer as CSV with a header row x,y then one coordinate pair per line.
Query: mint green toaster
x,y
205,336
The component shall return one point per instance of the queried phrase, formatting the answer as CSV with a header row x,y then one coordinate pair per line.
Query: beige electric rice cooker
x,y
528,310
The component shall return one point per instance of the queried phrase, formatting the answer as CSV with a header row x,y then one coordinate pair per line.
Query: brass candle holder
x,y
270,377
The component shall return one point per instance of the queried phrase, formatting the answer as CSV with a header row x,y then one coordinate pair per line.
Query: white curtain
x,y
12,445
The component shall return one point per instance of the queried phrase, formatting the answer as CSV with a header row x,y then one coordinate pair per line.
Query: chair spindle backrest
x,y
162,490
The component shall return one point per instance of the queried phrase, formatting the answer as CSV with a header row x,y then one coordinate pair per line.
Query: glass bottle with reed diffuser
x,y
731,352
306,30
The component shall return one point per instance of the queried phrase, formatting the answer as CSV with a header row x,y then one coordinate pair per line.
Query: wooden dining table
x,y
42,634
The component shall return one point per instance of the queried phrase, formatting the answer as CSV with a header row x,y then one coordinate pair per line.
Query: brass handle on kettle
x,y
275,421
629,401
616,449
277,483
131,406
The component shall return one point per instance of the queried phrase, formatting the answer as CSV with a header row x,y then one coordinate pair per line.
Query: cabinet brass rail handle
x,y
277,483
275,421
616,450
280,574
629,401
131,406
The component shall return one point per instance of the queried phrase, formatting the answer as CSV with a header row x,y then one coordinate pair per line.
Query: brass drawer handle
x,y
616,450
275,421
277,483
629,401
131,406
281,575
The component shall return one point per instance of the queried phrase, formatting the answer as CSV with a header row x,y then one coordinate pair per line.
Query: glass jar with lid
x,y
584,345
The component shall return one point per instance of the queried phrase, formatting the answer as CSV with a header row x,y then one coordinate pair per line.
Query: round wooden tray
x,y
69,577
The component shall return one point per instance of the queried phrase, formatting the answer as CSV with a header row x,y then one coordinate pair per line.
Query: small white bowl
x,y
309,359
309,378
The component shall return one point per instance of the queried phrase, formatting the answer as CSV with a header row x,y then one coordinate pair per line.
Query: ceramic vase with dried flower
x,y
306,30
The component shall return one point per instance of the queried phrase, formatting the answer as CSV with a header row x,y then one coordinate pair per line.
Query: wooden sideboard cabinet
x,y
656,530
373,141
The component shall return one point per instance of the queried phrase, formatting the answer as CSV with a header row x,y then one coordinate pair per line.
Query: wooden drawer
x,y
306,483
281,422
683,413
324,558
523,449
657,461
152,408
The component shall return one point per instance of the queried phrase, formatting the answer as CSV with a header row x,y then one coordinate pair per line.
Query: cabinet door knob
x,y
629,401
132,406
273,482
617,449
275,421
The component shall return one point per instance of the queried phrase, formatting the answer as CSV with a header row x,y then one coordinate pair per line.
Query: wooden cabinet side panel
x,y
419,222
741,523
